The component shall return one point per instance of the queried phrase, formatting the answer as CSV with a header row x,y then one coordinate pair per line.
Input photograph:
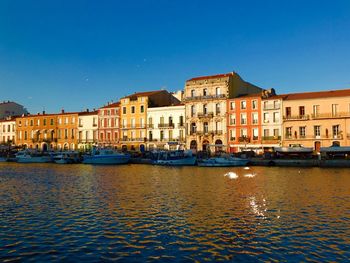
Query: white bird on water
x,y
231,175
246,168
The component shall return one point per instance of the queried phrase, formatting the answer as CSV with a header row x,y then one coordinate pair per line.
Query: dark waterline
x,y
149,213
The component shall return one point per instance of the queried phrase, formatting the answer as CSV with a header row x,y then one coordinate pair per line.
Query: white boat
x,y
66,157
226,161
33,157
106,156
294,149
175,158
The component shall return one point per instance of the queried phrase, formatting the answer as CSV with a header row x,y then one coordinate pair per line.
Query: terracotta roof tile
x,y
112,105
143,94
317,94
213,76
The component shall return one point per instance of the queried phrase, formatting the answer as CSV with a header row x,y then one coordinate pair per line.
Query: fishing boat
x,y
106,156
66,158
223,161
335,156
175,158
295,155
34,157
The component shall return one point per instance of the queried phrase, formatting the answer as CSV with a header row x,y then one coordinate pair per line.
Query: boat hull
x,y
34,160
106,159
190,161
222,163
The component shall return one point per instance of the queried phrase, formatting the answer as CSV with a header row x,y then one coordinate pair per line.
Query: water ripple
x,y
148,213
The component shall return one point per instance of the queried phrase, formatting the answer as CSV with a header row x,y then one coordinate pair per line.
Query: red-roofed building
x,y
317,119
109,125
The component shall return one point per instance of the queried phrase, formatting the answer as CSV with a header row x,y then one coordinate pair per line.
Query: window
x,y
243,104
38,122
336,130
276,117
266,106
72,133
161,135
266,132
254,104
193,110
217,108
205,127
302,131
276,105
243,118
218,91
255,134
243,132
205,109
289,132
317,131
170,135
44,122
66,133
276,133
288,112
255,118
132,123
181,121
51,121
232,119
334,109
266,117
204,92
132,109
66,120
233,134
193,93
170,121
193,127
124,110
232,105
31,122
301,111
316,110
142,109
141,123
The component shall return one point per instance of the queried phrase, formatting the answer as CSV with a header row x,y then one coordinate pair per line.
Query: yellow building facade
x,y
317,119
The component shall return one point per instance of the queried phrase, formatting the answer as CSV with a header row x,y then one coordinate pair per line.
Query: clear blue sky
x,y
80,54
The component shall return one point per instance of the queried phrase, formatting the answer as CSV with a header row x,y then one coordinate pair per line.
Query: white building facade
x,y
272,121
8,131
87,130
165,126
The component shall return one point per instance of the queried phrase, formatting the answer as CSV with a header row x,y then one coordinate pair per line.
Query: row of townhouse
x,y
222,111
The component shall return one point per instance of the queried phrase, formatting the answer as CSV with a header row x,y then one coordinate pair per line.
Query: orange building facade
x,y
48,131
244,131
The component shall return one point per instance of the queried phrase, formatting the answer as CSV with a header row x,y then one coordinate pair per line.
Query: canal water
x,y
148,213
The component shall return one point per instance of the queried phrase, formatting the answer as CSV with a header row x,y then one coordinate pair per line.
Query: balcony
x,y
244,139
125,139
330,115
150,126
133,126
271,138
166,125
205,115
296,117
87,140
313,137
181,125
39,140
208,97
272,107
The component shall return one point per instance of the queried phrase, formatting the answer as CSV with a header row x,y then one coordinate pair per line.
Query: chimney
x,y
87,110
43,112
62,111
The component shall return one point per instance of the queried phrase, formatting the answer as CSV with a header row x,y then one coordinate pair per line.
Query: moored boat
x,y
335,156
66,158
106,156
175,158
34,157
225,161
